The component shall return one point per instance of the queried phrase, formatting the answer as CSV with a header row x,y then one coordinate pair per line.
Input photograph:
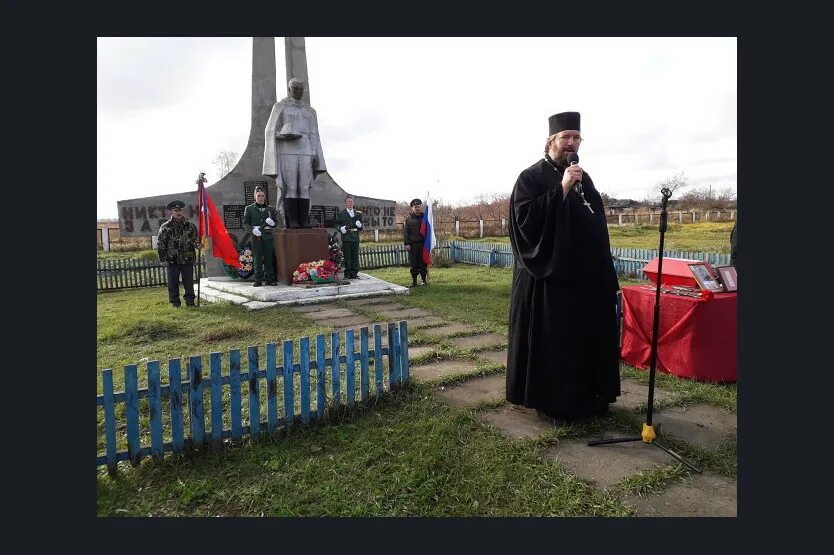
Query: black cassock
x,y
563,355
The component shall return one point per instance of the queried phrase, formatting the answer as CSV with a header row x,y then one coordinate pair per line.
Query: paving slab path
x,y
449,330
479,342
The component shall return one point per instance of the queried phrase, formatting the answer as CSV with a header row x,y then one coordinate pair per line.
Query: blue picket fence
x,y
627,262
392,255
630,262
130,273
483,254
313,378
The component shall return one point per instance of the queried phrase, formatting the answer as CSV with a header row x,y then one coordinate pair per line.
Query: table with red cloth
x,y
697,338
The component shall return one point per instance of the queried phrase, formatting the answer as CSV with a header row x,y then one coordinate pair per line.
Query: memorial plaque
x,y
233,216
324,214
249,191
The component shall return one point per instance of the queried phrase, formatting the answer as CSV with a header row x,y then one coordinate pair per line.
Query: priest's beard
x,y
561,158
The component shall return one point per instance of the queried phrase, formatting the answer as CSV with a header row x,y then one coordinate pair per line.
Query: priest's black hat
x,y
175,204
415,202
563,121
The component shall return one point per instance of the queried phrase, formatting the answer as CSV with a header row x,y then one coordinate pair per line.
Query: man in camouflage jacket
x,y
178,238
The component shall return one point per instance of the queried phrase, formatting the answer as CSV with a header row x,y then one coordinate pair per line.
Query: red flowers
x,y
319,271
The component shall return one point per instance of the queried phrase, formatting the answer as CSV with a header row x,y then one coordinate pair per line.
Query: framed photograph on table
x,y
729,277
706,280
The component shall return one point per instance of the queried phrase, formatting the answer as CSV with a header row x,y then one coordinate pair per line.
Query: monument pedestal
x,y
296,246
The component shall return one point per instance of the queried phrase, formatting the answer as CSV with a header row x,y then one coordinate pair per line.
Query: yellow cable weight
x,y
648,433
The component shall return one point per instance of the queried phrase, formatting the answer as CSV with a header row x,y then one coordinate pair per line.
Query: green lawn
x,y
406,453
697,237
410,455
120,255
403,454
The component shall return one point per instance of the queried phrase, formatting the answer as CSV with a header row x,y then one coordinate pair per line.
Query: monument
x,y
231,194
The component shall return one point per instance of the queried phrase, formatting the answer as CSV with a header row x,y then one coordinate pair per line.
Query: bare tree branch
x,y
225,161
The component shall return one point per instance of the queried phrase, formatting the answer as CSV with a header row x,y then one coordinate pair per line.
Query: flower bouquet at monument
x,y
319,271
336,256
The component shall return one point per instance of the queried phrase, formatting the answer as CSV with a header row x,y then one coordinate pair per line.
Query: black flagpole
x,y
200,180
647,435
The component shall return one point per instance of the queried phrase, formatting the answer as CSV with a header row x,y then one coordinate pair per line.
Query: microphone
x,y
573,159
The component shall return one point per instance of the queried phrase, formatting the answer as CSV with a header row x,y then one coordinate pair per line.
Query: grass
x,y
405,454
149,254
697,237
474,295
687,391
654,480
138,325
411,455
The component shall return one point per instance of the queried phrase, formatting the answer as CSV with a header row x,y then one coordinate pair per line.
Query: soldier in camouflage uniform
x,y
178,238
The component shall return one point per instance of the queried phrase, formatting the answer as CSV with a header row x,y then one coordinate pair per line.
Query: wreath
x,y
336,255
244,251
319,271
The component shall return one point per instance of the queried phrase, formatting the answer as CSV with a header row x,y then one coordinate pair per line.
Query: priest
x,y
563,357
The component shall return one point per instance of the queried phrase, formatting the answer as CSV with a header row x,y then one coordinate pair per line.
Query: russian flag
x,y
427,231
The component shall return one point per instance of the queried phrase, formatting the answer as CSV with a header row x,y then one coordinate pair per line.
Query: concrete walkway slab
x,y
405,314
517,421
607,465
634,394
346,322
479,342
383,326
476,390
369,301
330,314
382,307
700,424
418,323
435,370
450,329
414,352
704,495
497,357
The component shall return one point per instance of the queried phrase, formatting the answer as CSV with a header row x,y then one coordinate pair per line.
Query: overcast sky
x,y
399,116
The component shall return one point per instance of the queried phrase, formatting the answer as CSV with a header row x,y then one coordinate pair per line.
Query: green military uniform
x,y
176,244
256,215
350,240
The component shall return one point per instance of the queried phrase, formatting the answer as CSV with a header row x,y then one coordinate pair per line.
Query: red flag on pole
x,y
212,226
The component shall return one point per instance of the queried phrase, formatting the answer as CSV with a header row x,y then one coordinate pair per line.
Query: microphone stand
x,y
648,435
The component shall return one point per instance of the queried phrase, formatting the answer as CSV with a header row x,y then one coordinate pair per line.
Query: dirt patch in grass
x,y
232,330
148,331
